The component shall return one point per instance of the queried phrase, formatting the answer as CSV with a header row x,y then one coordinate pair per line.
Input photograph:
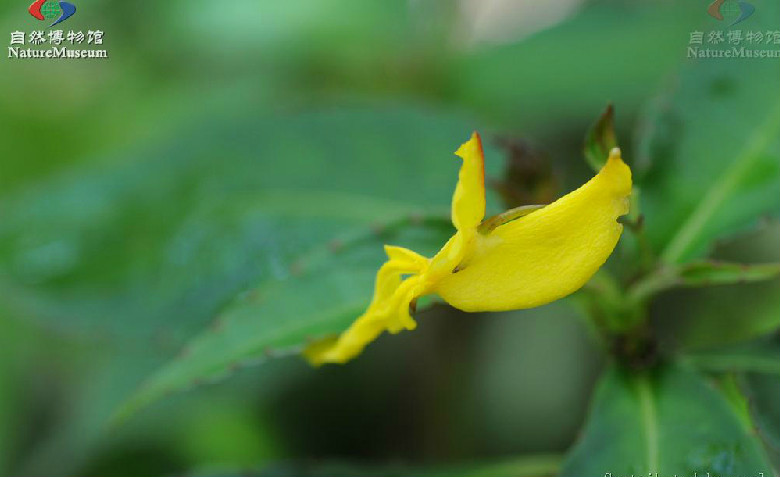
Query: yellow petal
x,y
468,202
468,210
547,254
388,311
405,260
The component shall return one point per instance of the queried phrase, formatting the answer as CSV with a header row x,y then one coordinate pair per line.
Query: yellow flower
x,y
522,258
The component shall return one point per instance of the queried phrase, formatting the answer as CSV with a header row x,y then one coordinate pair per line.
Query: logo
x,y
740,10
50,9
54,43
733,43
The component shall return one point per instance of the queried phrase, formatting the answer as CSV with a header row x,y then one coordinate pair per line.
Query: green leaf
x,y
714,144
326,291
601,139
669,421
151,245
147,249
754,371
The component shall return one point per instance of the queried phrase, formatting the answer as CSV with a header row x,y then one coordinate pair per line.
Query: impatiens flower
x,y
523,258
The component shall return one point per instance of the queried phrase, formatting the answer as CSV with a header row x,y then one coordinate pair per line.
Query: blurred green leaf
x,y
601,139
151,249
763,393
526,466
669,421
566,74
713,316
753,357
9,401
714,144
148,251
226,432
701,318
326,291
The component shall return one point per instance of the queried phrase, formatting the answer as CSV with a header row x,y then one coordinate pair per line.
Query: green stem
x,y
649,421
605,302
656,281
740,363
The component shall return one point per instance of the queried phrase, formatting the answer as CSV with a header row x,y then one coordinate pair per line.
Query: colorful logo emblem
x,y
739,10
51,9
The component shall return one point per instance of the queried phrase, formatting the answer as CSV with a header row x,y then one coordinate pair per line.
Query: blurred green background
x,y
129,216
